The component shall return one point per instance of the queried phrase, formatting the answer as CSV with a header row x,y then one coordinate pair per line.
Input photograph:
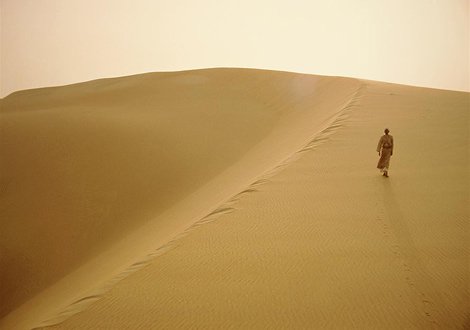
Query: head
x,y
386,131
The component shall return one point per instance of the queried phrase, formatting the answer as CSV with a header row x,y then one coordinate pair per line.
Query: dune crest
x,y
114,169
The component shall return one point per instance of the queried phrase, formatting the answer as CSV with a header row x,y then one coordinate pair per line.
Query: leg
x,y
385,170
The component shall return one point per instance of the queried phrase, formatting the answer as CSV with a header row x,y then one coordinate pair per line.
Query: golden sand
x,y
233,198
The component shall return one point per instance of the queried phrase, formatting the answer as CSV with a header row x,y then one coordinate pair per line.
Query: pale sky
x,y
57,42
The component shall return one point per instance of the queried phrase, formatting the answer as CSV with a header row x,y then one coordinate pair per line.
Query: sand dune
x,y
233,198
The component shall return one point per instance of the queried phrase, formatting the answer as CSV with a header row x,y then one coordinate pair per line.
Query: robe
x,y
385,147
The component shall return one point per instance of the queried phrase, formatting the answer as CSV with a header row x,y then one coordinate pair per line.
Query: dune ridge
x,y
225,208
82,100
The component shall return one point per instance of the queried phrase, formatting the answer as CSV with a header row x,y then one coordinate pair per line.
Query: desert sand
x,y
233,198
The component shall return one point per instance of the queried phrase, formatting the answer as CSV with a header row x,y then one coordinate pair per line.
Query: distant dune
x,y
237,198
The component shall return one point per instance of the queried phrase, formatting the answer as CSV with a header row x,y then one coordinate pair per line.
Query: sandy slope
x,y
96,176
294,229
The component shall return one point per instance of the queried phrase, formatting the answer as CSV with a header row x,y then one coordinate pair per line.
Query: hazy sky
x,y
56,42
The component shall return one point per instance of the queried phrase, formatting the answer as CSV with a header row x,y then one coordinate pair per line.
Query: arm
x,y
391,151
379,145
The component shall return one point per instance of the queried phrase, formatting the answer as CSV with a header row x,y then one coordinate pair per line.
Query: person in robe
x,y
385,150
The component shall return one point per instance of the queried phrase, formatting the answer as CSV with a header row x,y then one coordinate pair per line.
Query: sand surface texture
x,y
231,198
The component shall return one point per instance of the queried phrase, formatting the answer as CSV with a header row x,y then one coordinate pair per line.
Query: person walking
x,y
385,150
